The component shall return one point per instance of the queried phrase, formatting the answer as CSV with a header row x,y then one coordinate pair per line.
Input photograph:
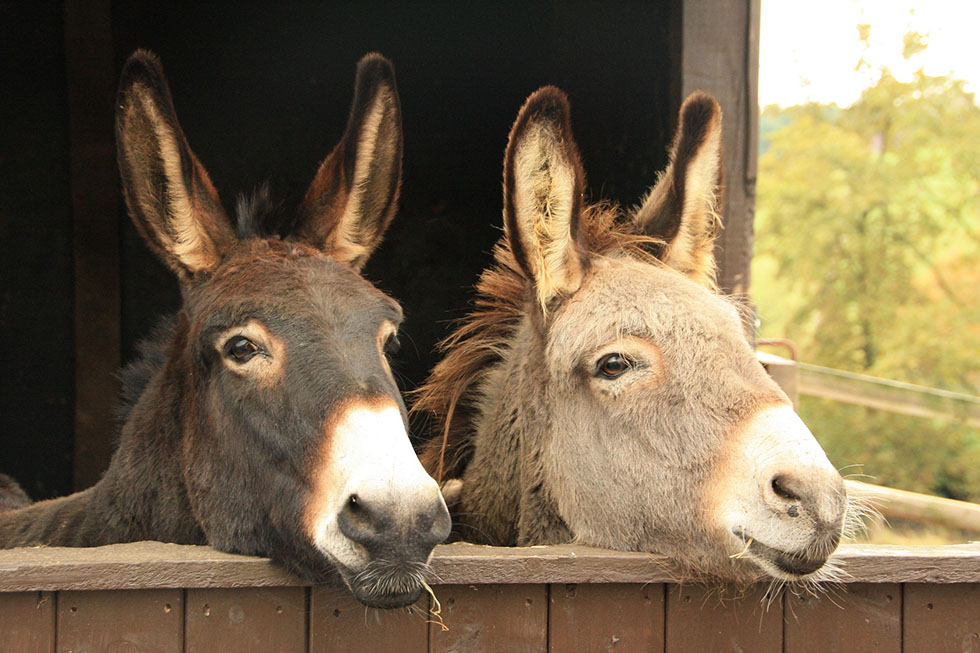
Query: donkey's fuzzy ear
x,y
543,194
354,195
681,207
168,192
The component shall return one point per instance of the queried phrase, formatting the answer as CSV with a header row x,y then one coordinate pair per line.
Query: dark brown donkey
x,y
604,392
264,418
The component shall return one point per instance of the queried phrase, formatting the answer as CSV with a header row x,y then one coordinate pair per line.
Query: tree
x,y
868,223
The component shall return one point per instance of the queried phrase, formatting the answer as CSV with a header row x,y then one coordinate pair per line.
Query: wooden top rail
x,y
870,391
147,565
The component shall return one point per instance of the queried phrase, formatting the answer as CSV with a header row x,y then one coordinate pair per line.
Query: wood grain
x,y
130,620
700,619
338,622
138,565
720,56
606,617
941,617
246,620
860,617
511,618
158,565
91,80
27,622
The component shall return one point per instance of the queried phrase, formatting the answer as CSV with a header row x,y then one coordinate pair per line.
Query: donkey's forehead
x,y
296,279
627,297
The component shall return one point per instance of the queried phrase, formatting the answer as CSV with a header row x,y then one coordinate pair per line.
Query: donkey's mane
x,y
478,342
256,215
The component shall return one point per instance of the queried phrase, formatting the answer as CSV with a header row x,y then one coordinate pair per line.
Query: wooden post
x,y
720,55
95,232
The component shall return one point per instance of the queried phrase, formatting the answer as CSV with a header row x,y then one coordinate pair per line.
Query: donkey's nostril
x,y
782,487
363,521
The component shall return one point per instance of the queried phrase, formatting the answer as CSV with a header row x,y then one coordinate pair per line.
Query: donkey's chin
x,y
791,566
387,584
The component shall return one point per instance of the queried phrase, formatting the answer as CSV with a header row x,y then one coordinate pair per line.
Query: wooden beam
x,y
95,233
720,55
883,394
156,565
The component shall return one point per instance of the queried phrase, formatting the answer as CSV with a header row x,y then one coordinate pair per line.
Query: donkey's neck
x,y
56,522
505,500
141,496
143,491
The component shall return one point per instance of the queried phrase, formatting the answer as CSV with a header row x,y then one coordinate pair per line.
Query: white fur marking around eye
x,y
265,368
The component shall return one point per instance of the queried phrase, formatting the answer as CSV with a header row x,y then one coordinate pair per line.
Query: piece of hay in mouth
x,y
436,609
744,550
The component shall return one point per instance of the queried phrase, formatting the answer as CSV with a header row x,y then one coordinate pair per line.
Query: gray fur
x,y
550,450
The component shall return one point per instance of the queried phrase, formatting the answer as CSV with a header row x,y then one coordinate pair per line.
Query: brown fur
x,y
229,411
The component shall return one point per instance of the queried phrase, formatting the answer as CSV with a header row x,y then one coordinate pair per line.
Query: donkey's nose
x,y
392,535
806,492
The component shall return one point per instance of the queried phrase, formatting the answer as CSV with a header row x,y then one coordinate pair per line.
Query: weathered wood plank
x,y
127,620
338,622
27,622
511,618
157,565
463,563
871,563
858,617
139,565
698,619
246,619
941,617
606,617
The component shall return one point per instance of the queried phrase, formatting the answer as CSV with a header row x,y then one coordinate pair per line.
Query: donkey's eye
x,y
241,349
612,366
391,344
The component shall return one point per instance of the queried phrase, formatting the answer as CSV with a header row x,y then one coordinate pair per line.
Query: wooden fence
x,y
163,597
869,391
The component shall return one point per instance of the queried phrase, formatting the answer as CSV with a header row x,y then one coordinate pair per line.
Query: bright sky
x,y
808,50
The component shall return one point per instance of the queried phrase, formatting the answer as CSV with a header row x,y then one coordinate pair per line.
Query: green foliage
x,y
867,250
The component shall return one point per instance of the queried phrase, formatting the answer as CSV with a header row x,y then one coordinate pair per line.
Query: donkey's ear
x,y
169,195
543,188
681,207
354,195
